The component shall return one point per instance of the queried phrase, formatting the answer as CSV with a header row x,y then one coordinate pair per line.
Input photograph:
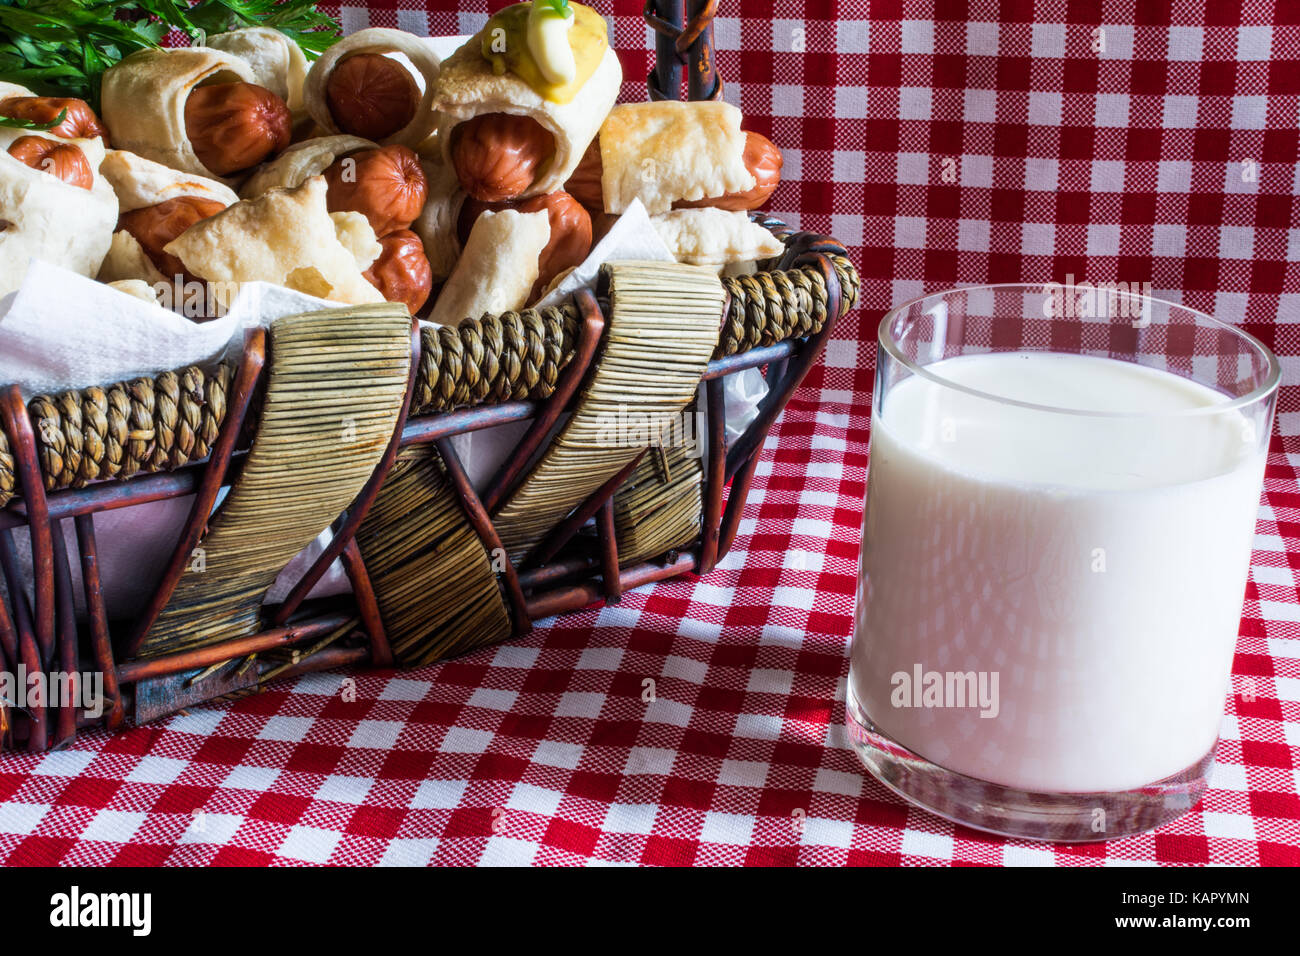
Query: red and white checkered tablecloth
x,y
946,144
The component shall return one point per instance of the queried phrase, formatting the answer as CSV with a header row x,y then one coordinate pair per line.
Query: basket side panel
x,y
663,327
337,383
433,581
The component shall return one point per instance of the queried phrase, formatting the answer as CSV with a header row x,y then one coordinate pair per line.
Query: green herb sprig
x,y
13,122
63,47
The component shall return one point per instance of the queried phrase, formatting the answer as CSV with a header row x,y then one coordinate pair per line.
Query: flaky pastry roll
x,y
468,87
376,40
286,237
498,268
44,217
668,151
144,97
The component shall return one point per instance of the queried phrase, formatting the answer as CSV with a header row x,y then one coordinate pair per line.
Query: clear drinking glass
x,y
1061,504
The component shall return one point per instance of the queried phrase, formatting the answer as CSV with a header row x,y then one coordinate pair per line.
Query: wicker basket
x,y
343,420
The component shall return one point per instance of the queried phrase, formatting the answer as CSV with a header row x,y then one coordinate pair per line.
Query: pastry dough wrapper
x,y
715,237
285,237
144,102
42,217
8,89
141,182
436,225
352,229
276,61
498,268
467,87
137,288
376,40
668,151
300,162
127,261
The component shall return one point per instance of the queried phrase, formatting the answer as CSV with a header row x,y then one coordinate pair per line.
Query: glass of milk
x,y
1062,493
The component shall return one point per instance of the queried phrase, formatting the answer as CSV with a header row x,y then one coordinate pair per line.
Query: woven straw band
x,y
333,396
7,478
662,328
436,589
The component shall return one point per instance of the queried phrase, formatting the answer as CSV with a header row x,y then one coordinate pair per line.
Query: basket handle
x,y
682,40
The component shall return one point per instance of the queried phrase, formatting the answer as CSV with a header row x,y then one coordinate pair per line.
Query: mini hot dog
x,y
357,87
80,121
402,273
521,101
497,156
570,238
371,96
171,105
235,126
386,185
63,161
761,158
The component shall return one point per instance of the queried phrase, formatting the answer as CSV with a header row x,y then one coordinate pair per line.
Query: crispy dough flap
x,y
666,151
436,224
715,237
498,268
286,237
276,61
300,162
141,182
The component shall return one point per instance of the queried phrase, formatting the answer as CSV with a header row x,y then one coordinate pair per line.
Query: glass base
x,y
1004,811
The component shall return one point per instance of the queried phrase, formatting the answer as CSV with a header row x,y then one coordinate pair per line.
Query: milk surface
x,y
1093,566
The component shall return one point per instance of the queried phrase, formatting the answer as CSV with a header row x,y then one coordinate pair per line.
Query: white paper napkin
x,y
61,330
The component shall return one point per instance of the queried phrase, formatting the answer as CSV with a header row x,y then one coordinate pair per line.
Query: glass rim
x,y
1272,380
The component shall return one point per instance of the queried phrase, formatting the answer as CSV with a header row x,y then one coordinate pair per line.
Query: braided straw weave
x,y
657,510
770,307
436,589
497,358
333,397
662,328
7,478
145,425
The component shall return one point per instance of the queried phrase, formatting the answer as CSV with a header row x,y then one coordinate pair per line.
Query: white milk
x,y
1094,567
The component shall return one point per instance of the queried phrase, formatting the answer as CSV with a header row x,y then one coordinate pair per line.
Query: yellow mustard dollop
x,y
505,45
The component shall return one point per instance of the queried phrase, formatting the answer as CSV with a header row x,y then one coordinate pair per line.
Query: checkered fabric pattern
x,y
946,144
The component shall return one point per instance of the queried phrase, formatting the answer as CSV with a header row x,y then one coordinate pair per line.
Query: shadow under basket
x,y
343,420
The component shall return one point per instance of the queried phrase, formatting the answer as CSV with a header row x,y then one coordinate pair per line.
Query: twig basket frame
x,y
67,458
